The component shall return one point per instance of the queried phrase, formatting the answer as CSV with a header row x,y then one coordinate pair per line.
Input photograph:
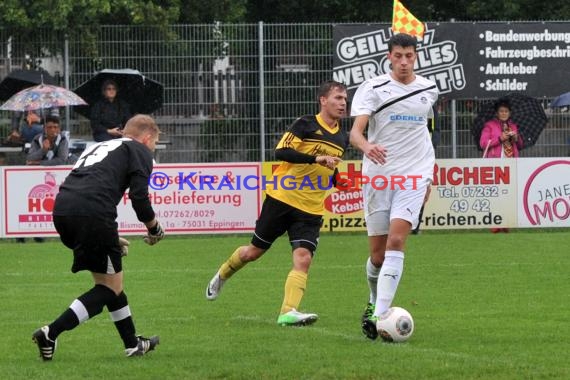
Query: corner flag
x,y
403,21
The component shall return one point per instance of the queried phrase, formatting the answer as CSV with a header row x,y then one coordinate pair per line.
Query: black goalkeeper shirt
x,y
103,173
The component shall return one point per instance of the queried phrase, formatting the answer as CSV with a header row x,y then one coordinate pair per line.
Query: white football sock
x,y
388,280
372,277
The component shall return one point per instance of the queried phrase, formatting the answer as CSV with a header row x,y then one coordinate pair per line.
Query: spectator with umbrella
x,y
500,138
142,95
109,114
42,97
14,82
525,111
49,147
29,129
561,101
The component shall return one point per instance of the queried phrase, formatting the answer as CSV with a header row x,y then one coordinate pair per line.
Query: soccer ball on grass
x,y
396,325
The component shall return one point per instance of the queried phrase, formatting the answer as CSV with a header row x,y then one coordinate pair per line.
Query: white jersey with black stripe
x,y
398,121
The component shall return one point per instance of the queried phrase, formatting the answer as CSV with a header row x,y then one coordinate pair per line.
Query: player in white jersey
x,y
398,166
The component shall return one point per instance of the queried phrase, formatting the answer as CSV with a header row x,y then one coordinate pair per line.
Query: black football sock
x,y
86,306
121,316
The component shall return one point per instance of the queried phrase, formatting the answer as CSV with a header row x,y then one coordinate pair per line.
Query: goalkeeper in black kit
x,y
84,216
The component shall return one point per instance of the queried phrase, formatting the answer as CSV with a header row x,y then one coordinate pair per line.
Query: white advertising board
x,y
187,198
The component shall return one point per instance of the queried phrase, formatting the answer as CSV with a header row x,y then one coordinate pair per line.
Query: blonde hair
x,y
140,124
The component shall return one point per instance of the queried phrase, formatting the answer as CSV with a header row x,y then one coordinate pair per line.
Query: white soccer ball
x,y
396,325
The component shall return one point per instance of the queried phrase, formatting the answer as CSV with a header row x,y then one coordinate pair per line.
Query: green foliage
x,y
489,10
23,18
485,306
197,12
73,15
81,18
295,11
438,10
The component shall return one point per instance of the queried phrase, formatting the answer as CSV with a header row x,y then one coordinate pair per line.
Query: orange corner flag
x,y
403,21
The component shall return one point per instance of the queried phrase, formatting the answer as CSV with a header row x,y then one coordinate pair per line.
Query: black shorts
x,y
95,243
277,217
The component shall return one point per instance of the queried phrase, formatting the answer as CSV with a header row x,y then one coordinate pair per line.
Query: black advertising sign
x,y
466,60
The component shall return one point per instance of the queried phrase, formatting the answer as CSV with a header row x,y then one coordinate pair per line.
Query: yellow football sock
x,y
232,265
294,290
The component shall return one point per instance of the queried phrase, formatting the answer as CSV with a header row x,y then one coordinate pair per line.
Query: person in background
x,y
32,126
310,149
500,138
26,132
110,114
50,147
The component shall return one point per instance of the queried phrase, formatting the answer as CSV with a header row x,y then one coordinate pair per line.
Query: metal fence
x,y
231,90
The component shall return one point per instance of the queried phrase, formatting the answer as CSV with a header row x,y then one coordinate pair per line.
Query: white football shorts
x,y
401,202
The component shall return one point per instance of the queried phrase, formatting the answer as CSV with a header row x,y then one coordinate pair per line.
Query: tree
x,y
23,18
74,15
197,12
435,10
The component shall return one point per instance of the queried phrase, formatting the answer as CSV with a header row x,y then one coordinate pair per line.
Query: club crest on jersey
x,y
424,100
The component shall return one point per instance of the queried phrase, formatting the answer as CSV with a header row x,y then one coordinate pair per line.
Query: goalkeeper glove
x,y
124,244
155,234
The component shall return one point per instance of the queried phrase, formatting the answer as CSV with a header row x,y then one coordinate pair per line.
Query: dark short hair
x,y
52,119
326,87
108,82
502,103
402,39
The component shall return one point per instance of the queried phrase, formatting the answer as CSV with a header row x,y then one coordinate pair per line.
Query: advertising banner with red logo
x,y
221,198
343,208
28,196
544,192
472,193
187,198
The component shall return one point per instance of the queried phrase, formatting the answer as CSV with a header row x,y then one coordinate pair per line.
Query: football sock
x,y
232,265
372,276
294,290
388,280
86,306
121,316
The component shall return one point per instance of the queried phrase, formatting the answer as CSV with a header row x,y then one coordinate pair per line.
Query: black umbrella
x,y
143,94
19,79
526,112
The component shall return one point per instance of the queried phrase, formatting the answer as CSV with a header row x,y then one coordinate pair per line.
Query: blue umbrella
x,y
561,101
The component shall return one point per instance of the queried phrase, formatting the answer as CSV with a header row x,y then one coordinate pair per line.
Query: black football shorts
x,y
94,241
277,217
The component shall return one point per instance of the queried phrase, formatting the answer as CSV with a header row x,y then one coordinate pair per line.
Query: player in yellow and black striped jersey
x,y
310,151
308,137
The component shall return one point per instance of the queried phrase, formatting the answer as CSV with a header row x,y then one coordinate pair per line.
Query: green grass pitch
x,y
485,306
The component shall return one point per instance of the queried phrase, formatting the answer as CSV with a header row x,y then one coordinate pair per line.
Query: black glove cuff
x,y
154,230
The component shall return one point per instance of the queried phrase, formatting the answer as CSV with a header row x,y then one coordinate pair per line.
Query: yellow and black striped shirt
x,y
308,135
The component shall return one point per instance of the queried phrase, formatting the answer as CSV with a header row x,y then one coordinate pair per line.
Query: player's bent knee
x,y
251,253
